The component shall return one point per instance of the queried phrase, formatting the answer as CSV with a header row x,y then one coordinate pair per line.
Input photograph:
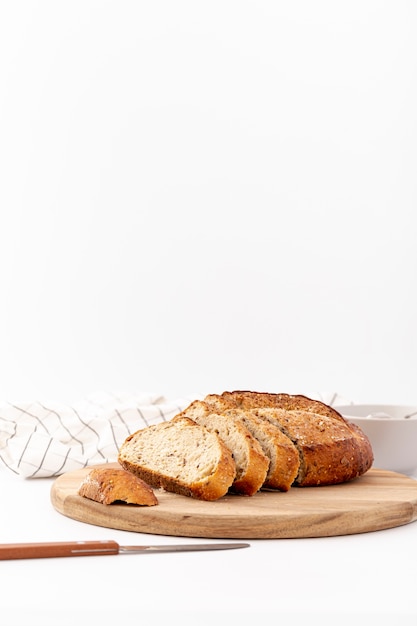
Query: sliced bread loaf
x,y
182,457
331,450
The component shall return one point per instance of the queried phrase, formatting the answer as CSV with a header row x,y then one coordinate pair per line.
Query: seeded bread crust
x,y
182,457
331,449
108,485
256,399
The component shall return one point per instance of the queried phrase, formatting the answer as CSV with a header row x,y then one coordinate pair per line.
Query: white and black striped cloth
x,y
44,439
39,439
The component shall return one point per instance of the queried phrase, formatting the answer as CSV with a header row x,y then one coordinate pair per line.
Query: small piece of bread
x,y
251,462
108,485
182,457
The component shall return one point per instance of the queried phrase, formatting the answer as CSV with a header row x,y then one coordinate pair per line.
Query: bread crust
x,y
210,486
109,485
259,399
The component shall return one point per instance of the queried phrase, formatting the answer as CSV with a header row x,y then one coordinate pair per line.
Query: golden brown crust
x,y
255,399
109,485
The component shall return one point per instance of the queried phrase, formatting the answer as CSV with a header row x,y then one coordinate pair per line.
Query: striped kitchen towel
x,y
40,439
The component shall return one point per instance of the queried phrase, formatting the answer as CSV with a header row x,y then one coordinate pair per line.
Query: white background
x,y
201,196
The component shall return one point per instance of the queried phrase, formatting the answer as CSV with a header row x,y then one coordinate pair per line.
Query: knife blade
x,y
9,551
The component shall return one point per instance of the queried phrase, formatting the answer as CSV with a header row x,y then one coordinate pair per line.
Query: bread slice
x,y
331,449
181,457
109,485
252,463
282,454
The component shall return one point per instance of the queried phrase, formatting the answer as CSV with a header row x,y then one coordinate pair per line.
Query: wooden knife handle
x,y
10,551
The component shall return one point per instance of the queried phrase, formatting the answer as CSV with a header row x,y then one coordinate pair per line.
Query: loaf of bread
x,y
243,441
182,457
331,450
109,485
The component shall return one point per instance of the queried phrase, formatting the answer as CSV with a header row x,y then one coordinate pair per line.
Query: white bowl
x,y
393,437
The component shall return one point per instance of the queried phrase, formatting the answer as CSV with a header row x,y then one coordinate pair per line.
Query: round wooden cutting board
x,y
375,501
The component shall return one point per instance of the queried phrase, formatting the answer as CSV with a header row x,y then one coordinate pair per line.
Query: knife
x,y
10,551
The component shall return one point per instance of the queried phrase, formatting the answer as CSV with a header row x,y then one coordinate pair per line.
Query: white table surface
x,y
371,576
